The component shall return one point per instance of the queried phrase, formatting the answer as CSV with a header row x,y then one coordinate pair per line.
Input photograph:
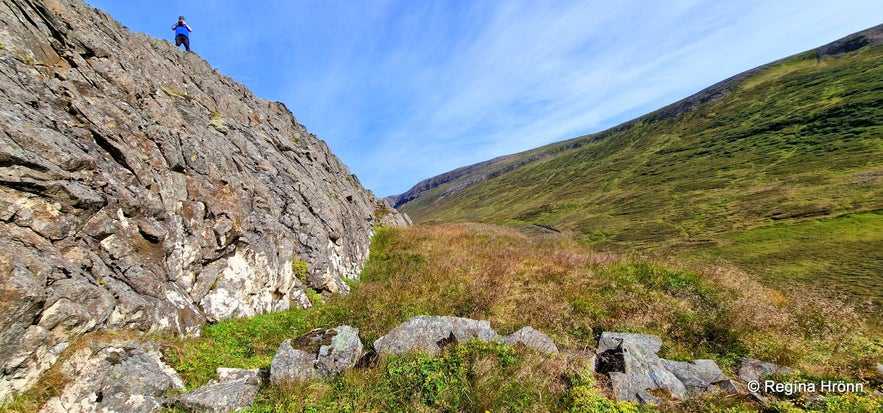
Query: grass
x,y
472,376
551,283
574,293
794,151
772,250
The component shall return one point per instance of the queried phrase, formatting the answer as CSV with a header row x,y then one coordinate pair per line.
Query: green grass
x,y
242,343
469,377
796,149
555,285
551,283
812,252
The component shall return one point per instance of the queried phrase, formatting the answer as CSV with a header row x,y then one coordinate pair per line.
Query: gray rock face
x,y
754,370
531,338
700,376
220,397
429,334
236,389
319,354
122,378
637,374
634,369
141,189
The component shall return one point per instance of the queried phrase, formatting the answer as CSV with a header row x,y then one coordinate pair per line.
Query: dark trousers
x,y
182,39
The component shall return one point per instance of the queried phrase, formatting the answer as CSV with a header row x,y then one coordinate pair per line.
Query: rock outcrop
x,y
638,374
531,338
141,189
126,377
700,376
635,370
131,377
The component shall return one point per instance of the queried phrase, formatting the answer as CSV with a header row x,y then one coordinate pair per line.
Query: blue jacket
x,y
182,29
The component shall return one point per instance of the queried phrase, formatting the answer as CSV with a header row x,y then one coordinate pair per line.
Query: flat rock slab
x,y
700,376
236,389
429,334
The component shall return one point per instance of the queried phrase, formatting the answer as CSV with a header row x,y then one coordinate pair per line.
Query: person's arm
x,y
188,27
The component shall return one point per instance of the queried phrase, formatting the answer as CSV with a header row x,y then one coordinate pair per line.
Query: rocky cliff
x,y
141,189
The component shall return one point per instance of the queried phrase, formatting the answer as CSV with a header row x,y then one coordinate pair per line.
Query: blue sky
x,y
403,90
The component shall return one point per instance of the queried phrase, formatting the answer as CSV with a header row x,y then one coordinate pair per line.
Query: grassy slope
x,y
551,283
794,150
499,274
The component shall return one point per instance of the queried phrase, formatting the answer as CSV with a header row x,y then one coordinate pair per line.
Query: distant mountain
x,y
778,169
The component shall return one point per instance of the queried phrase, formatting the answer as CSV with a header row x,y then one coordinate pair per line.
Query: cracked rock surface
x,y
141,189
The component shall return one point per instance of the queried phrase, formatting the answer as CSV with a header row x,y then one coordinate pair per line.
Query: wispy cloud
x,y
403,90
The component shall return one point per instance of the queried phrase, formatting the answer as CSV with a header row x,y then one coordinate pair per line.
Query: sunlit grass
x,y
812,252
573,294
793,151
551,283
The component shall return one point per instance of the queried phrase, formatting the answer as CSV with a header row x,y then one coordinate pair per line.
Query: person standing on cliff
x,y
182,33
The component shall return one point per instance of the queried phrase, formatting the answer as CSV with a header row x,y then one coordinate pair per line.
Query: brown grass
x,y
573,294
548,282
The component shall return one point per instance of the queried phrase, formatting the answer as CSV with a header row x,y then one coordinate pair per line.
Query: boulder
x,y
235,389
751,369
531,338
700,376
123,377
319,354
429,334
636,373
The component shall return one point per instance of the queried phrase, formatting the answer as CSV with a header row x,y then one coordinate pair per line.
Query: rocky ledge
x,y
140,189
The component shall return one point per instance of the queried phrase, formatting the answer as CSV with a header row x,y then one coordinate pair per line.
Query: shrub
x,y
300,269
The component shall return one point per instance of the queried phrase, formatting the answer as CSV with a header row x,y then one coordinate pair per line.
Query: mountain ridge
x,y
852,42
777,170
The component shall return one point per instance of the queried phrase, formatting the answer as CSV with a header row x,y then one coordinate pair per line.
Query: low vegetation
x,y
555,285
550,283
792,152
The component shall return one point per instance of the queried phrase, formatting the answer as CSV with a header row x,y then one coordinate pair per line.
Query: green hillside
x,y
778,171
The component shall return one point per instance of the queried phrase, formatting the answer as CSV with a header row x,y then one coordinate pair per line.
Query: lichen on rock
x,y
140,189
